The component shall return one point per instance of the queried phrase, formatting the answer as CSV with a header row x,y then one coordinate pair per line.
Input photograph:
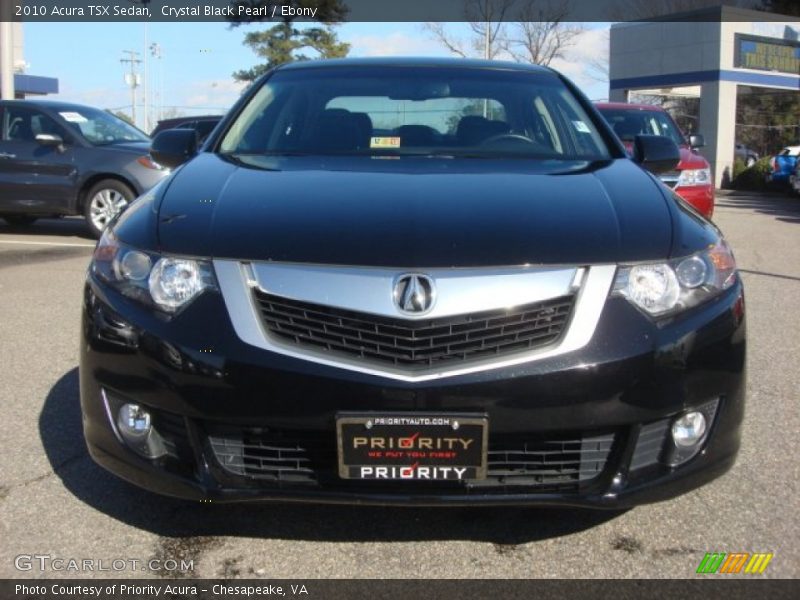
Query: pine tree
x,y
287,42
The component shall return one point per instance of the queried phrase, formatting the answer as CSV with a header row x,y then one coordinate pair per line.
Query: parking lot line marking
x,y
25,243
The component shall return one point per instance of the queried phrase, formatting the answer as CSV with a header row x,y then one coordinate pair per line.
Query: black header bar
x,y
381,10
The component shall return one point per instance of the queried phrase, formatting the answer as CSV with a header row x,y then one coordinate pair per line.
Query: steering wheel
x,y
511,137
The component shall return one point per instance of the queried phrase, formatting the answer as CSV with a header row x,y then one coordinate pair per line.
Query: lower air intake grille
x,y
406,343
277,457
517,460
270,456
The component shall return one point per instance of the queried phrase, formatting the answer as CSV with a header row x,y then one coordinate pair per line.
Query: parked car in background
x,y
783,164
203,125
68,159
747,155
691,179
794,180
394,300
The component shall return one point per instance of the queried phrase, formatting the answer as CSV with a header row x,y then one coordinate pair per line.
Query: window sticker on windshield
x,y
74,117
581,126
384,142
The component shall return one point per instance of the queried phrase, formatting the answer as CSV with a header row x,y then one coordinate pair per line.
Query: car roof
x,y
56,105
189,118
628,106
409,61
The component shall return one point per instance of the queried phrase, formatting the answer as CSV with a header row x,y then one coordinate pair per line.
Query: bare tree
x,y
538,33
486,20
598,67
542,34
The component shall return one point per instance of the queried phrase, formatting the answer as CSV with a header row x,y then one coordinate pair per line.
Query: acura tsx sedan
x,y
413,281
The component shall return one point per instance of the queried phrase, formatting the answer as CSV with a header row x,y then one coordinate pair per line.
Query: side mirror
x,y
174,147
656,153
50,140
696,140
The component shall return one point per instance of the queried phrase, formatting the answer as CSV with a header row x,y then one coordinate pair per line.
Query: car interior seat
x,y
337,131
20,130
364,127
416,135
628,128
473,130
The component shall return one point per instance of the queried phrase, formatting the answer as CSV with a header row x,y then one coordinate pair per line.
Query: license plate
x,y
412,446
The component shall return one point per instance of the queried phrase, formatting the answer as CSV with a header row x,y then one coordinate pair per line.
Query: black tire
x,y
19,220
103,201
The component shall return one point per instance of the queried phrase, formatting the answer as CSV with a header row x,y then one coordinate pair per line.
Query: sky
x,y
199,59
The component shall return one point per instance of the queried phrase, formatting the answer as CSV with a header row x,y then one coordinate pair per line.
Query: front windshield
x,y
627,123
396,111
101,128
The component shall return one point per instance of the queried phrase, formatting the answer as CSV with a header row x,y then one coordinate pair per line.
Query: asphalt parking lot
x,y
54,501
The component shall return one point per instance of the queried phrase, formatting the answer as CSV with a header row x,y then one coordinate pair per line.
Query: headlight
x,y
694,177
148,163
164,282
660,289
175,281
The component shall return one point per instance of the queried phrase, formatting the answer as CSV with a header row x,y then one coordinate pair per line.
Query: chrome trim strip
x,y
371,290
237,294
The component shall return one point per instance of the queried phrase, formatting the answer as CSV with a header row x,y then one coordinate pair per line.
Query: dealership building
x,y
25,84
714,54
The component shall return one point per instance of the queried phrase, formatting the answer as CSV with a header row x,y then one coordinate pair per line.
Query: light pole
x,y
157,52
132,78
146,101
146,98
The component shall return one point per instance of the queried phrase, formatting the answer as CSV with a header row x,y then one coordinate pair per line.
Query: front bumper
x,y
618,392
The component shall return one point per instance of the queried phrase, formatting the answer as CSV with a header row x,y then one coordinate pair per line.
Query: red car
x,y
692,177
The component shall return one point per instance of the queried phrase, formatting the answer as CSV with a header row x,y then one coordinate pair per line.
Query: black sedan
x,y
406,281
68,159
202,125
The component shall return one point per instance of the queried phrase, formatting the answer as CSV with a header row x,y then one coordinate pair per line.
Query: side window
x,y
24,124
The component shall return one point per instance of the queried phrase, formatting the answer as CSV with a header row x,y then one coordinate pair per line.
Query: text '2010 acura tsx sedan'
x,y
409,281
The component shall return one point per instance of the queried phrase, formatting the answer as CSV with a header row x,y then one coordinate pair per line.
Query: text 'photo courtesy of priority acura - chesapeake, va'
x,y
416,282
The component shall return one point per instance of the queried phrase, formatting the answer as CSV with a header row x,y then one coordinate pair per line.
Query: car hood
x,y
137,147
691,159
414,212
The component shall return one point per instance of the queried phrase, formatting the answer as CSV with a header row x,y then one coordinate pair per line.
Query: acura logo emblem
x,y
414,293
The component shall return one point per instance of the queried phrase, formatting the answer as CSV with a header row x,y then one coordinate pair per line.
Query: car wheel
x,y
19,220
103,202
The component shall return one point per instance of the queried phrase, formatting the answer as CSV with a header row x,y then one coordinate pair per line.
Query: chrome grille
x,y
415,343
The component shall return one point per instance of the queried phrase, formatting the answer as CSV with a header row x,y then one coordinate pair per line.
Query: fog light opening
x,y
689,432
134,427
689,429
134,422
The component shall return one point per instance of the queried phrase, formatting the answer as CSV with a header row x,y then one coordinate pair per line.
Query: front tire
x,y
104,201
19,220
